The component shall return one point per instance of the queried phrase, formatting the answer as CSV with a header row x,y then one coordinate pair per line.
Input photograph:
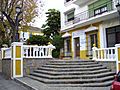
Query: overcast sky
x,y
49,4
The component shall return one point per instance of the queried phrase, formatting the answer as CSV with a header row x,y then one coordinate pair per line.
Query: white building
x,y
26,34
88,22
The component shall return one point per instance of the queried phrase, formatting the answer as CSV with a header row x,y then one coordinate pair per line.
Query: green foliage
x,y
58,43
55,53
29,10
38,40
52,26
51,30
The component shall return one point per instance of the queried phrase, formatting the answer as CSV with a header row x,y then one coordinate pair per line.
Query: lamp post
x,y
17,20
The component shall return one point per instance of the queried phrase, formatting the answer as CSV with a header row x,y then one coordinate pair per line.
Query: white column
x,y
17,57
102,36
116,53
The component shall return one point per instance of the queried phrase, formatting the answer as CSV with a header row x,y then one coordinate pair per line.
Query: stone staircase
x,y
73,73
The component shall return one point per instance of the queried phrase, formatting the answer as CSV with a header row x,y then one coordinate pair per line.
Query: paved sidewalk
x,y
10,84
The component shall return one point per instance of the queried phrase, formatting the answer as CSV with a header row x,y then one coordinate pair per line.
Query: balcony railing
x,y
92,12
67,1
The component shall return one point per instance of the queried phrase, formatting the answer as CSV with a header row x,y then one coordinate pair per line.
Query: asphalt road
x,y
10,84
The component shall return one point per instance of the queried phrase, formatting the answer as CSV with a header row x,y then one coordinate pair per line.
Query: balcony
x,y
68,2
105,11
80,2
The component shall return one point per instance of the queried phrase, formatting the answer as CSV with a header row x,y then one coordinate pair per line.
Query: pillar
x,y
17,59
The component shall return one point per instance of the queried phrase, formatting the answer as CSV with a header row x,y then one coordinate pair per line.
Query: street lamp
x,y
18,9
17,20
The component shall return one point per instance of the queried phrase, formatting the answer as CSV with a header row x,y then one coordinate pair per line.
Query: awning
x,y
66,35
91,28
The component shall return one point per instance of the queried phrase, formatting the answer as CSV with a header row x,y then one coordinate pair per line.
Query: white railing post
x,y
94,53
17,59
6,53
50,48
117,56
105,54
3,52
33,51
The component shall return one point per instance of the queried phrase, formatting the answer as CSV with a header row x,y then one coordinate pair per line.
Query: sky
x,y
48,4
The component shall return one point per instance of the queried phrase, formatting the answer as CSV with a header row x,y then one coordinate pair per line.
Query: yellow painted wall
x,y
12,51
119,66
18,67
118,54
83,53
18,51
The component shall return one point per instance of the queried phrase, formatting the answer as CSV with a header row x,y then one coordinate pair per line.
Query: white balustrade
x,y
30,51
104,54
7,53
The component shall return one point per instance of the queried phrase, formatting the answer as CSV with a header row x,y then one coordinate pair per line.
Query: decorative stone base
x,y
109,64
29,65
6,68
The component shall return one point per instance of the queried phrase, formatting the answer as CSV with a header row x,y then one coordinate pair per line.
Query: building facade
x,y
85,23
26,34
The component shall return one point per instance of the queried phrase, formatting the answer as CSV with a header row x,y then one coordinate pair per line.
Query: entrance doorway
x,y
77,47
92,39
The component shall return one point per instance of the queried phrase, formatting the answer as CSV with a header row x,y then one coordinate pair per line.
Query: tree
x,y
38,40
52,30
7,14
52,26
58,43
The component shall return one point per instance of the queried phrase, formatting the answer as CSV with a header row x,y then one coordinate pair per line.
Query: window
x,y
70,16
68,45
100,10
93,39
67,0
113,36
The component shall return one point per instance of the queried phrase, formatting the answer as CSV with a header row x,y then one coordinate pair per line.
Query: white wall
x,y
26,35
71,6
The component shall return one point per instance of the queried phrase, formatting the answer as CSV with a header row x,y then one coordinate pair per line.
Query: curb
x,y
24,84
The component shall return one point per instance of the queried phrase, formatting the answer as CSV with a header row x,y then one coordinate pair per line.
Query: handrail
x,y
6,53
104,54
87,14
31,51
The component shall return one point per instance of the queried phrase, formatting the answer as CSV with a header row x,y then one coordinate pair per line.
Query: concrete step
x,y
54,75
69,63
73,69
36,85
100,84
73,73
72,81
77,70
72,66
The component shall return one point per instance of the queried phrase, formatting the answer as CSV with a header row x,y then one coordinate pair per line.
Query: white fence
x,y
31,51
37,51
104,54
108,54
6,53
